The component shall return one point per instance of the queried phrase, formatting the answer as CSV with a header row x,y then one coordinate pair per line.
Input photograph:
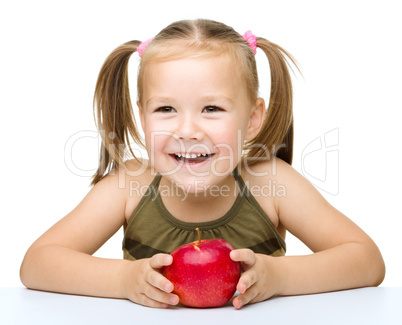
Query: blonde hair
x,y
183,39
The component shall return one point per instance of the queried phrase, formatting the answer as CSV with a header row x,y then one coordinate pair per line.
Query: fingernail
x,y
172,300
235,254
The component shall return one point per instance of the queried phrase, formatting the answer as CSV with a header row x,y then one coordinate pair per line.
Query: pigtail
x,y
113,110
276,133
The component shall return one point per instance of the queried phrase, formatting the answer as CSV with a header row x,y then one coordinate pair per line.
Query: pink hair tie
x,y
143,46
251,39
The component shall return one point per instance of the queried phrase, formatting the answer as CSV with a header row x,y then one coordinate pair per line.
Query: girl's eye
x,y
165,109
212,109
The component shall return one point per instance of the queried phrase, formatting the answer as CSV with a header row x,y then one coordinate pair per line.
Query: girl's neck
x,y
204,206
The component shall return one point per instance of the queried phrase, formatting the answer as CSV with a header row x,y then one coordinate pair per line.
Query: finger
x,y
237,302
244,255
246,280
160,296
157,280
144,300
250,296
160,260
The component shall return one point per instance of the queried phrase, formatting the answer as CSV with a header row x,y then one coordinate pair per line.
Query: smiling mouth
x,y
191,158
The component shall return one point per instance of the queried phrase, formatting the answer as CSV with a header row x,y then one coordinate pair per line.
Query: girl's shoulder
x,y
130,174
128,182
270,181
277,180
135,176
273,172
265,172
288,195
137,170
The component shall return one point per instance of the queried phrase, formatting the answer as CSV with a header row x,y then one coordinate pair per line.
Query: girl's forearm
x,y
60,269
347,266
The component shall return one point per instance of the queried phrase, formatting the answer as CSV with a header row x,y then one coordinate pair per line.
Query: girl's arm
x,y
344,256
61,259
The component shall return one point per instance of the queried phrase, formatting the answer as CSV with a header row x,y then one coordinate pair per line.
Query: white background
x,y
350,56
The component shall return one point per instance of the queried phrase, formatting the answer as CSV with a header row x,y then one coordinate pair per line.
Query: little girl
x,y
219,160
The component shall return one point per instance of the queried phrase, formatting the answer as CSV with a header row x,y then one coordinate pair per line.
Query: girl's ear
x,y
141,114
256,118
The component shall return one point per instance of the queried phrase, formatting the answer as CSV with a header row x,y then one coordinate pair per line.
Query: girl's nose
x,y
189,129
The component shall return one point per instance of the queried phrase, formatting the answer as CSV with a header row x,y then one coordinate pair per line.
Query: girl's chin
x,y
189,184
212,166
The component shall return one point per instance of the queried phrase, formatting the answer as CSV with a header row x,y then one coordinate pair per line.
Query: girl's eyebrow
x,y
161,99
217,98
209,98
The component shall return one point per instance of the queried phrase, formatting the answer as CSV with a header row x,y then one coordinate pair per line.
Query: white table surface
x,y
360,306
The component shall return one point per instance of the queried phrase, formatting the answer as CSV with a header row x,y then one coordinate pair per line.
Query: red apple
x,y
203,273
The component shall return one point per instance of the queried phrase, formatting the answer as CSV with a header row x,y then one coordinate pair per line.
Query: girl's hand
x,y
257,282
146,285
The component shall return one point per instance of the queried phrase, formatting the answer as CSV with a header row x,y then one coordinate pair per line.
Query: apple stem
x,y
199,235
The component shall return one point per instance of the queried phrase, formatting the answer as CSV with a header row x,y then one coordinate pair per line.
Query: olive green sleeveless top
x,y
152,229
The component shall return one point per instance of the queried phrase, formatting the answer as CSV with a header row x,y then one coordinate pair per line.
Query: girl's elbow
x,y
376,267
23,276
380,274
24,273
27,270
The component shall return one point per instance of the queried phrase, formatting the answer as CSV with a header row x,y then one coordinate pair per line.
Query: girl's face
x,y
196,115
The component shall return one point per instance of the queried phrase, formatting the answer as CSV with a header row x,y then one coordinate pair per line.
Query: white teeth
x,y
191,155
